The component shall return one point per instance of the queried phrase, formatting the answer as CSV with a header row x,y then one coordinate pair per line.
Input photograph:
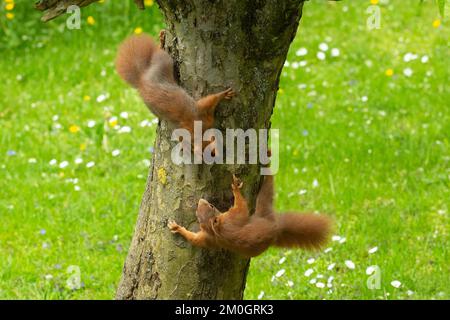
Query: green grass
x,y
381,166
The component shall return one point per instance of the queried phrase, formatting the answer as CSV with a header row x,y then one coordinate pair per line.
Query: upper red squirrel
x,y
147,67
251,235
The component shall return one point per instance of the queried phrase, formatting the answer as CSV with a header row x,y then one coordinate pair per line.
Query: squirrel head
x,y
207,214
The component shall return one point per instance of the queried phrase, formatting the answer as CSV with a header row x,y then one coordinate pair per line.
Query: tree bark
x,y
55,8
215,44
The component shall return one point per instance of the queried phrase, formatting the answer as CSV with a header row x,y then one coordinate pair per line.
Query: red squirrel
x,y
250,236
149,69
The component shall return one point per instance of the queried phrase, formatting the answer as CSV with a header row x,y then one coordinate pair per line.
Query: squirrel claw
x,y
229,93
173,226
237,183
162,38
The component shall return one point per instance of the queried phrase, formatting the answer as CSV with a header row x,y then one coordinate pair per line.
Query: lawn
x,y
364,124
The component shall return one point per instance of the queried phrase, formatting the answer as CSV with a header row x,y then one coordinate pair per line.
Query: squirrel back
x,y
250,239
148,68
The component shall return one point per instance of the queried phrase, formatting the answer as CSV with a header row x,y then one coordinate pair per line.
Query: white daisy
x,y
144,123
321,55
309,272
320,285
301,52
373,250
350,264
90,164
408,72
323,46
280,273
125,129
335,52
336,238
102,97
63,164
315,183
115,153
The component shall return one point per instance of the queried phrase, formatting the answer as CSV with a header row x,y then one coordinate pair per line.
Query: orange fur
x,y
250,236
147,67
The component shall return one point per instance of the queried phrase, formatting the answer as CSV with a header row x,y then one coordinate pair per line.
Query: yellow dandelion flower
x,y
90,20
437,23
83,146
148,3
113,122
74,128
9,6
162,175
374,2
9,1
9,16
138,30
61,174
86,98
389,72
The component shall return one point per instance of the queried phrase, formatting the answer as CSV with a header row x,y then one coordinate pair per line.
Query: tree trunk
x,y
216,44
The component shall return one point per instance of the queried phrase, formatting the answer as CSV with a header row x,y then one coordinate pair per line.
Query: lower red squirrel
x,y
251,235
147,67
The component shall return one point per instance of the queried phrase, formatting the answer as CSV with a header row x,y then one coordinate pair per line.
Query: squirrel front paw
x,y
237,183
162,38
229,93
173,226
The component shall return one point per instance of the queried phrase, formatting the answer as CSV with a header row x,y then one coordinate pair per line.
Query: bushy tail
x,y
133,58
308,231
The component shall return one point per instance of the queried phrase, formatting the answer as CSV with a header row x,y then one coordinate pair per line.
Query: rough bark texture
x,y
216,44
54,8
